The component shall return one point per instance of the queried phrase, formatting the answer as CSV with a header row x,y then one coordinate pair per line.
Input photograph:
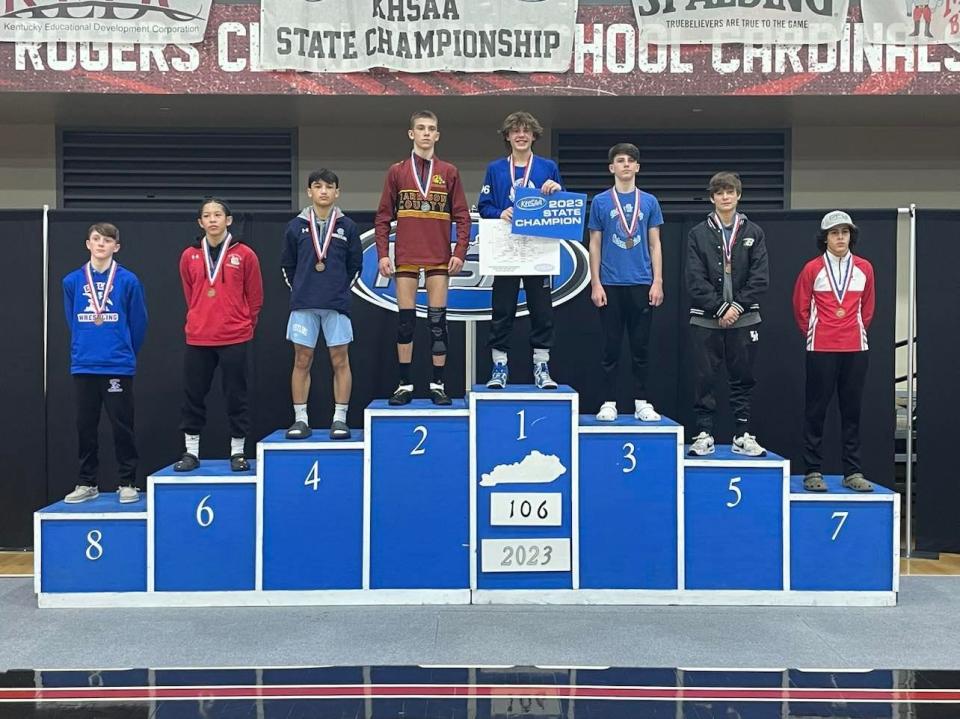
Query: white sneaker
x,y
645,412
702,445
82,493
541,376
608,412
747,444
128,495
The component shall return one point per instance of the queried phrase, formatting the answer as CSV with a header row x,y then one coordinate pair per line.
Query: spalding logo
x,y
532,203
471,294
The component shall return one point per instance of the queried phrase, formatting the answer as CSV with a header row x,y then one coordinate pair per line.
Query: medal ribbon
x,y
424,188
841,284
100,306
208,263
327,236
728,246
631,227
527,171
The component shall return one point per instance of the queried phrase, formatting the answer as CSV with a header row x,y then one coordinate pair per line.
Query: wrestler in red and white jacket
x,y
833,301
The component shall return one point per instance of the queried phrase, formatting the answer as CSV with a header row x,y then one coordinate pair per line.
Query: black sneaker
x,y
239,463
339,430
401,395
299,430
438,395
187,463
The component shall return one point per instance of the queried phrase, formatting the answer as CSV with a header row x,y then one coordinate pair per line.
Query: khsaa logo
x,y
471,295
532,203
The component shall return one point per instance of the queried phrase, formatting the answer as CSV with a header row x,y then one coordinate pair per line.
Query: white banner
x,y
750,22
150,22
912,22
417,35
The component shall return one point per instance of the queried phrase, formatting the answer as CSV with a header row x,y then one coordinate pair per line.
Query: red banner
x,y
607,60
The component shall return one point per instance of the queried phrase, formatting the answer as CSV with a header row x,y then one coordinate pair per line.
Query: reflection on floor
x,y
480,693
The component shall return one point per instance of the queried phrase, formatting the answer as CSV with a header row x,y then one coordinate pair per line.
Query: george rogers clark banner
x,y
608,59
417,35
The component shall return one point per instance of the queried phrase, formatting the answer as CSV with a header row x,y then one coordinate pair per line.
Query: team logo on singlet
x,y
470,296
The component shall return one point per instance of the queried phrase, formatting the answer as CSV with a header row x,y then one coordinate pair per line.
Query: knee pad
x,y
437,317
405,325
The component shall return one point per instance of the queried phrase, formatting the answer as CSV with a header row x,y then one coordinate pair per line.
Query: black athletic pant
x,y
199,364
628,307
845,374
539,301
737,348
116,395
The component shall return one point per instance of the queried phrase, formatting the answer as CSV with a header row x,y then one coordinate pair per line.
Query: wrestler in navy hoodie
x,y
330,289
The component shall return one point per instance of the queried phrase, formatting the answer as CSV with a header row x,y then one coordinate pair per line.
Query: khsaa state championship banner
x,y
143,22
750,22
912,22
417,35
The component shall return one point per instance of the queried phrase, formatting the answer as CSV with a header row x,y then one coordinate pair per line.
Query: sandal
x,y
299,430
857,482
813,482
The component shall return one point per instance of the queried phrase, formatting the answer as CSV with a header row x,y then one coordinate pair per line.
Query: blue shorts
x,y
303,328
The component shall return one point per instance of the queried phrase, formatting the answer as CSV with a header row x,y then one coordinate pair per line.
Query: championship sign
x,y
417,35
558,216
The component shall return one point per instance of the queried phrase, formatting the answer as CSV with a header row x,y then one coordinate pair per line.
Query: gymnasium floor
x,y
493,661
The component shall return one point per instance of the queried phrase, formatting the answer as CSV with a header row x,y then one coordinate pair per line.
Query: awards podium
x,y
510,496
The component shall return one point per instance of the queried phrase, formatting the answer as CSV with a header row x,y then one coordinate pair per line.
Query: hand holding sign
x,y
557,215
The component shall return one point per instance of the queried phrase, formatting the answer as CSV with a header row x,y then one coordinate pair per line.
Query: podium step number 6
x,y
204,513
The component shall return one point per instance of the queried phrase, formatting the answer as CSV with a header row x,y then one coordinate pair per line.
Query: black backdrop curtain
x,y
151,243
938,327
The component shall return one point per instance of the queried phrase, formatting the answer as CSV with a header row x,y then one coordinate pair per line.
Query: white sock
x,y
640,404
611,403
300,413
236,445
339,413
499,356
193,444
541,355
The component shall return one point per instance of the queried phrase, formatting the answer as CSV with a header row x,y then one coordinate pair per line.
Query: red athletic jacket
x,y
831,326
230,316
423,225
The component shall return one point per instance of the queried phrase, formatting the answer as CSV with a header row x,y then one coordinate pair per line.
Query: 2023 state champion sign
x,y
417,35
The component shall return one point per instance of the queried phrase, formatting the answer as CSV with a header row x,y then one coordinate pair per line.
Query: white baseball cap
x,y
835,219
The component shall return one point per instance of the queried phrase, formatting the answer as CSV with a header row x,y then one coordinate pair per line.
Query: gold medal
x,y
98,320
727,267
320,267
841,312
629,244
211,292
